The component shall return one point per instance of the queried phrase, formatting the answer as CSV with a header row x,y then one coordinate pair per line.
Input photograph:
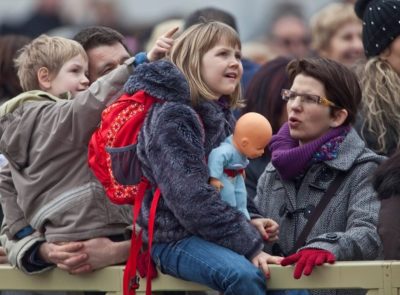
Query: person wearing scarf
x,y
309,151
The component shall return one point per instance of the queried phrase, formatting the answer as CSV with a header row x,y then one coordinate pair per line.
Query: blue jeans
x,y
194,259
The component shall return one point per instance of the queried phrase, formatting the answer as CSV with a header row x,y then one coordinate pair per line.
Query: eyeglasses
x,y
289,95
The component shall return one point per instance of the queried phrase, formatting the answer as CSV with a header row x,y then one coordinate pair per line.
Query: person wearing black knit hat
x,y
380,82
380,77
381,24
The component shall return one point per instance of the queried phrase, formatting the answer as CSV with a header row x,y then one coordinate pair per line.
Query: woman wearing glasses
x,y
315,148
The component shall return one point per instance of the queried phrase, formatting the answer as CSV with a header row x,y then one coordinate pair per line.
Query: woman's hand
x,y
306,259
267,227
3,256
262,259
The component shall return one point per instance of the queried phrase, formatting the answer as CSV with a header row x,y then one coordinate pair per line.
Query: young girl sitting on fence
x,y
198,236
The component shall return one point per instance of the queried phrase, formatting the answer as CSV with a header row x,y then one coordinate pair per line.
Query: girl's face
x,y
346,44
308,120
221,68
72,77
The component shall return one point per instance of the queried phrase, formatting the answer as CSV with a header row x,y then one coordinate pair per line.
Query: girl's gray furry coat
x,y
172,146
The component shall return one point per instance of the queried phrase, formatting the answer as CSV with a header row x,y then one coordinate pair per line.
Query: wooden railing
x,y
378,277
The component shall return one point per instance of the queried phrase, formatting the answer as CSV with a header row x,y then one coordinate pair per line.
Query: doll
x,y
226,163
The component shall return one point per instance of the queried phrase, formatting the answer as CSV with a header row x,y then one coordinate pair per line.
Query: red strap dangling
x,y
152,218
131,279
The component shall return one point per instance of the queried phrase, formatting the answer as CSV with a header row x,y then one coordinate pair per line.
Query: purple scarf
x,y
292,160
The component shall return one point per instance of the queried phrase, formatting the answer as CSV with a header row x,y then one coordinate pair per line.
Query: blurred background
x,y
136,19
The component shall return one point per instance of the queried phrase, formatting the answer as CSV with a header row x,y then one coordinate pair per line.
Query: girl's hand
x,y
261,261
267,227
163,45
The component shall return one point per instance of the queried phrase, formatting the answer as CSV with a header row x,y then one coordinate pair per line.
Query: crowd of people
x,y
322,190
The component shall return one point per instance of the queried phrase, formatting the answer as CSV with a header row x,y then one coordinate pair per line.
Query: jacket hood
x,y
160,79
17,122
29,96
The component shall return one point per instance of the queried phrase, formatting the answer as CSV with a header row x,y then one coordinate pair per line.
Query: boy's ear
x,y
44,79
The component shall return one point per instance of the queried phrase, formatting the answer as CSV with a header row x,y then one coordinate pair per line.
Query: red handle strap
x,y
152,217
131,279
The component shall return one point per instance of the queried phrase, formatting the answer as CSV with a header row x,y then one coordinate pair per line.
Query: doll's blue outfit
x,y
227,164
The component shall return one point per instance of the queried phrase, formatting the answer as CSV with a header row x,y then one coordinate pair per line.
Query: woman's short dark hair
x,y
340,83
263,94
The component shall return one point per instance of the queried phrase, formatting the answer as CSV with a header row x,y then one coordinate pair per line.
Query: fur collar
x,y
217,120
160,79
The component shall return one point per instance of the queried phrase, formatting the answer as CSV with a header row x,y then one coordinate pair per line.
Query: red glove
x,y
306,259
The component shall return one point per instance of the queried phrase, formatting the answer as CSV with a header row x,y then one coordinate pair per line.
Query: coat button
x,y
331,236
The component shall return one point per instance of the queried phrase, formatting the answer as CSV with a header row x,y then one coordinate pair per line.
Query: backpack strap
x,y
152,217
131,279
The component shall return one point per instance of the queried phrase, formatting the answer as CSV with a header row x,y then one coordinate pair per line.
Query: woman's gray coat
x,y
348,225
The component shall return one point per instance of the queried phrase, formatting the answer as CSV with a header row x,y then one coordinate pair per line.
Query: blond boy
x,y
44,136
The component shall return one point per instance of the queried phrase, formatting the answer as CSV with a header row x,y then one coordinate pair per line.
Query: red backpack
x,y
113,159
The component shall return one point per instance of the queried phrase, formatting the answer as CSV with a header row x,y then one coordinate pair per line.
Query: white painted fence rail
x,y
378,277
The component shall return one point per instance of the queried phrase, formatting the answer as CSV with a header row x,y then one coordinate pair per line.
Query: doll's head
x,y
252,133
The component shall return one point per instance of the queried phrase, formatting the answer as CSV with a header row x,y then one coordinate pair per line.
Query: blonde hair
x,y
189,49
327,21
45,51
381,104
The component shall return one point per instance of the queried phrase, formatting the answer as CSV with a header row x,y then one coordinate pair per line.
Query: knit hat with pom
x,y
381,23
